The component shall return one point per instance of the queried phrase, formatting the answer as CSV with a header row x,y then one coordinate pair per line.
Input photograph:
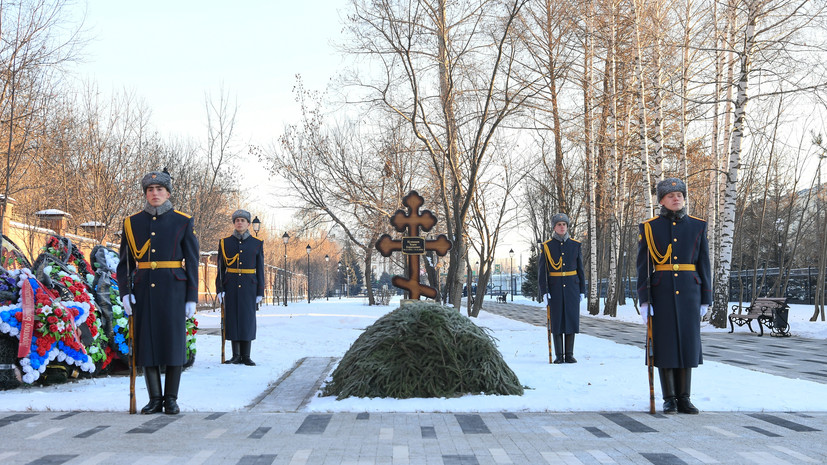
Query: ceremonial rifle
x,y
548,305
650,350
548,328
133,371
223,334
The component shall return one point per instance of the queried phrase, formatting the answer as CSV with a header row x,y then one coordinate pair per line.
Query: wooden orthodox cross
x,y
413,245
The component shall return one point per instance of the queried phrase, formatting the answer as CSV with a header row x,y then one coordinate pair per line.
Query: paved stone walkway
x,y
791,357
276,430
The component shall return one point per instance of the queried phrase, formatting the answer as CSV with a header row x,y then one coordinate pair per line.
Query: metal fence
x,y
801,286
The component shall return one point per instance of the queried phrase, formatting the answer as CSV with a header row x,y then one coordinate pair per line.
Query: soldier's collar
x,y
678,215
241,236
159,210
562,238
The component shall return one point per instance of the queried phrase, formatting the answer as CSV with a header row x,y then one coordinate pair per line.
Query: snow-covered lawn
x,y
607,377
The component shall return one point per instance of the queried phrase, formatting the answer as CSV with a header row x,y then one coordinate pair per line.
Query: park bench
x,y
771,312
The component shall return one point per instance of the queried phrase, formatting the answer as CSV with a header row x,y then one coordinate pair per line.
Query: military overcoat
x,y
674,277
560,273
168,240
241,278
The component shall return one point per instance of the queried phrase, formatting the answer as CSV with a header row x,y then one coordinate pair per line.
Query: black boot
x,y
245,353
152,376
171,381
684,384
236,345
558,348
570,348
667,386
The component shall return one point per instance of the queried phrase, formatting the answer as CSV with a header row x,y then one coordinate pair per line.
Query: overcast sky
x,y
171,54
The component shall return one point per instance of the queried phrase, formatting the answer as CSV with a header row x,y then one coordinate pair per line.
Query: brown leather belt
x,y
562,273
242,270
155,265
675,267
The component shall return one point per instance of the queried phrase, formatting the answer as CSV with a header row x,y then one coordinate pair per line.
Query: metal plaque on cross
x,y
413,245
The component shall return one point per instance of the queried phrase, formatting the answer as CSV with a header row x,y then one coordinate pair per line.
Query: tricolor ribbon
x,y
27,323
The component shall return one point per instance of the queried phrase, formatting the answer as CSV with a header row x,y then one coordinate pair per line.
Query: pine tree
x,y
529,287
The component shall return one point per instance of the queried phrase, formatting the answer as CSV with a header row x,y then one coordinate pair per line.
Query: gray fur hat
x,y
560,217
161,178
669,185
241,214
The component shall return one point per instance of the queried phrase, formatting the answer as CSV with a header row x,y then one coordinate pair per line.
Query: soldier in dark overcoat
x,y
674,290
158,275
562,284
240,285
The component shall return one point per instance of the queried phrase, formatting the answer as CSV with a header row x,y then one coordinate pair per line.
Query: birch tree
x,y
443,67
769,27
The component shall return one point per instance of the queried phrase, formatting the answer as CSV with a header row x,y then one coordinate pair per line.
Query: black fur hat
x,y
161,178
671,185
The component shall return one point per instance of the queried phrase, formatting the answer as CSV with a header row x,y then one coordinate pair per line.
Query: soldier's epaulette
x,y
182,214
574,240
650,219
260,240
699,219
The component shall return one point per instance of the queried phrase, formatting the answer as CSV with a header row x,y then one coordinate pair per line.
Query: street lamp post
x,y
308,272
338,274
326,269
256,225
511,273
285,238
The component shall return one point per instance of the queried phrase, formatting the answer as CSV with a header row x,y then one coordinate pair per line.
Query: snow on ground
x,y
607,377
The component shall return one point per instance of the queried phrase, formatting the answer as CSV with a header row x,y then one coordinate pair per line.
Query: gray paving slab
x,y
397,438
792,357
276,429
294,389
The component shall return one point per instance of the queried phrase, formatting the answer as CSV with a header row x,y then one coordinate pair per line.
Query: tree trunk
x,y
721,288
591,167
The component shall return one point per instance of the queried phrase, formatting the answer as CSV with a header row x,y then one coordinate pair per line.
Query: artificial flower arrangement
x,y
107,296
76,278
192,329
52,326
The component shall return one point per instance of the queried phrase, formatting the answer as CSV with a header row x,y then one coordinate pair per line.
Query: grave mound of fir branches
x,y
422,349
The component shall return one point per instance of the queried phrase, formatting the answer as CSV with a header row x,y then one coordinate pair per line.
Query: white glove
x,y
189,309
582,296
258,299
545,299
644,312
704,309
220,297
127,302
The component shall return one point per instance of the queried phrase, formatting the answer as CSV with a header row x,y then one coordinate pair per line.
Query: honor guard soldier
x,y
674,289
158,278
240,285
562,285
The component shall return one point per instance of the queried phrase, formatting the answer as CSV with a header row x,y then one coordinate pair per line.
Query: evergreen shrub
x,y
422,349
